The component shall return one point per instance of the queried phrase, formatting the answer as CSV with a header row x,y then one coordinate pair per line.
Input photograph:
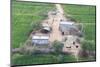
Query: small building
x,y
45,28
68,27
40,39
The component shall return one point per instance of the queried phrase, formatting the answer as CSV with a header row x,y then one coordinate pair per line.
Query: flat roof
x,y
40,37
67,22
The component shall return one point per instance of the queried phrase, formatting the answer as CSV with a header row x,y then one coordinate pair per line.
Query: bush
x,y
36,26
88,45
58,46
88,48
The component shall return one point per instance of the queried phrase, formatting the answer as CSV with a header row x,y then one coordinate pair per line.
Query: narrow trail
x,y
59,8
61,11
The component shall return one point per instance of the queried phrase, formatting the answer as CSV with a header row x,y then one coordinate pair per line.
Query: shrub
x,y
88,45
57,47
88,48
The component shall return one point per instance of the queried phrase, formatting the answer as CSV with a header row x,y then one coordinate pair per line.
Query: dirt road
x,y
55,34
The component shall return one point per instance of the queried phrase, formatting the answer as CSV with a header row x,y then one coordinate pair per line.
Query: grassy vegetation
x,y
58,46
83,14
26,16
88,45
90,31
84,59
40,59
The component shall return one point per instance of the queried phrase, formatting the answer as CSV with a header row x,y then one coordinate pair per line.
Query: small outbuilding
x,y
45,28
40,39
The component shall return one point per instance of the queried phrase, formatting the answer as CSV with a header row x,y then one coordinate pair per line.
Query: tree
x,y
88,47
58,46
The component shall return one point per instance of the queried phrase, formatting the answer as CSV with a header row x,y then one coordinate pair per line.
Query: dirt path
x,y
55,34
61,11
59,8
55,20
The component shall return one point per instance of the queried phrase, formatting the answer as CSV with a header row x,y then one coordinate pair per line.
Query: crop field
x,y
25,18
85,15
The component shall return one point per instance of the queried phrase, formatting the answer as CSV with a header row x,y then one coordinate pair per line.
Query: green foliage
x,y
57,47
86,59
90,31
41,59
88,45
61,58
33,59
81,13
69,58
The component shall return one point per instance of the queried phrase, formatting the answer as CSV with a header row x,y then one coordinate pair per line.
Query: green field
x,y
26,16
41,59
85,15
81,13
